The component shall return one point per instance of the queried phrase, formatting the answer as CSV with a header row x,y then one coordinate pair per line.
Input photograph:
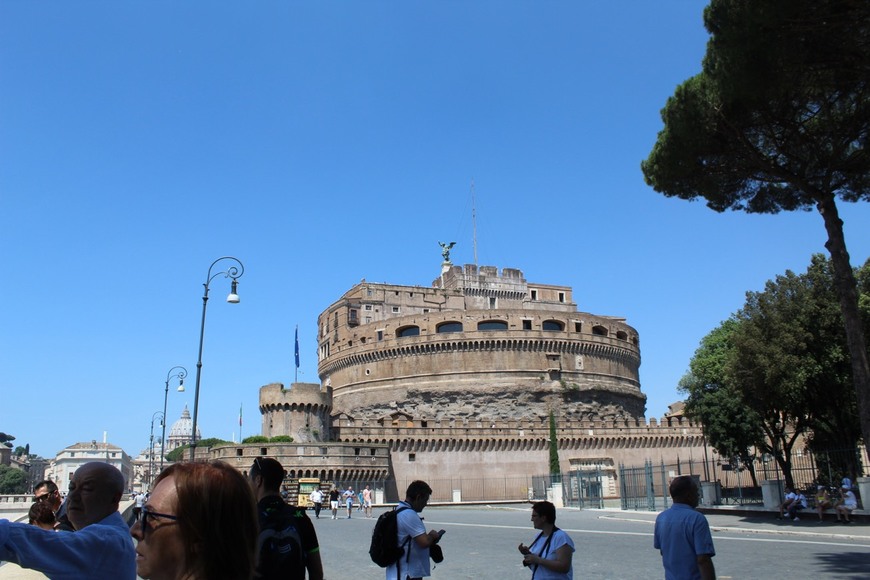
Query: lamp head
x,y
233,298
181,385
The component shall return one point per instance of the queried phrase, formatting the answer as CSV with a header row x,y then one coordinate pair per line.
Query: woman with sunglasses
x,y
200,523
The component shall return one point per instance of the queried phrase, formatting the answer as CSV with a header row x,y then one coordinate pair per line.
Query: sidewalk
x,y
757,519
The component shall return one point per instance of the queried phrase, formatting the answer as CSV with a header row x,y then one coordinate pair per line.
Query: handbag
x,y
436,553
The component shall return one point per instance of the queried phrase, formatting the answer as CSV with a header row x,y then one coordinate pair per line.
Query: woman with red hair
x,y
199,523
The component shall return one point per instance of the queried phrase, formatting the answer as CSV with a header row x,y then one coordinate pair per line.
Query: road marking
x,y
719,530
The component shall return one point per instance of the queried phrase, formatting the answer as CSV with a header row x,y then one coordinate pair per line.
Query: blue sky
x,y
322,143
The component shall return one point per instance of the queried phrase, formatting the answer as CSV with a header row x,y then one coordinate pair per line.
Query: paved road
x,y
611,544
481,544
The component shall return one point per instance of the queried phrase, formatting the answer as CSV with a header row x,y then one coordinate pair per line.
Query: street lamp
x,y
151,452
169,376
234,272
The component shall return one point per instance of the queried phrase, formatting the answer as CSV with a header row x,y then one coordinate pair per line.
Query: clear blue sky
x,y
322,143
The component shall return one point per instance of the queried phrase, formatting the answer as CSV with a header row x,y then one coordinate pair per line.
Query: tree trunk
x,y
846,287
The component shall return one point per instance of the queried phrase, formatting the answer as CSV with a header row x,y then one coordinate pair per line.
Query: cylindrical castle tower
x,y
477,345
302,411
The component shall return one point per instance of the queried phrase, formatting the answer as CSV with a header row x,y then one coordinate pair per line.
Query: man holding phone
x,y
413,537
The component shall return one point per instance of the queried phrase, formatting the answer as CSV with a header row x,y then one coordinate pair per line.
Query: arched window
x,y
408,331
621,335
552,325
599,330
492,325
449,327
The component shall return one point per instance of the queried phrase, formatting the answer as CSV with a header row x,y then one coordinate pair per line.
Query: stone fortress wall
x,y
455,382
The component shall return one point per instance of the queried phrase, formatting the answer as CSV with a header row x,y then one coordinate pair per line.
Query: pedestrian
x,y
46,490
138,502
847,504
682,535
798,503
550,554
316,499
412,535
41,515
360,501
367,501
333,501
199,522
288,543
348,500
100,547
790,497
823,501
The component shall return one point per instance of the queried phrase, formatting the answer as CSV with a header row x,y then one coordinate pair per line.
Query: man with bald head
x,y
100,548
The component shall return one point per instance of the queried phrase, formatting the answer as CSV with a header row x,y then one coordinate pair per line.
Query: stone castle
x,y
455,383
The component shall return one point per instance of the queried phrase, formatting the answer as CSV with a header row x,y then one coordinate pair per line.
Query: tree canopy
x,y
778,370
12,480
779,119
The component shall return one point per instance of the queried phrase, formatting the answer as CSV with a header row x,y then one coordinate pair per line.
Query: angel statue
x,y
445,250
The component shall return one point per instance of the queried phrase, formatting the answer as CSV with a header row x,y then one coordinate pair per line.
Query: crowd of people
x,y
843,504
211,521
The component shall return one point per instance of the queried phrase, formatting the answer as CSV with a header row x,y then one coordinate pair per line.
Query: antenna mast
x,y
473,222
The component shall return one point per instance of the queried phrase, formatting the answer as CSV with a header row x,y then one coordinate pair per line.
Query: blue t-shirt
x,y
560,538
682,534
416,563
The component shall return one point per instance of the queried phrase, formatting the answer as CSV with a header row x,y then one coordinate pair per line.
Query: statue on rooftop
x,y
445,250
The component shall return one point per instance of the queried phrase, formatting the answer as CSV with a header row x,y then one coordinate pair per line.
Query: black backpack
x,y
385,549
279,546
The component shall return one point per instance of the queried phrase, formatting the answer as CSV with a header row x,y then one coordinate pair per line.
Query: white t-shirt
x,y
560,538
850,501
415,564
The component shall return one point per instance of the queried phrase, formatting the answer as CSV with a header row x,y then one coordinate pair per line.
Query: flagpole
x,y
296,356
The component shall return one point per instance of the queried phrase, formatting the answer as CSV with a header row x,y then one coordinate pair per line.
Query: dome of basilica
x,y
180,432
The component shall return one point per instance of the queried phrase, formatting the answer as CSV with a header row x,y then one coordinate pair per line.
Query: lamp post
x,y
169,376
151,452
234,272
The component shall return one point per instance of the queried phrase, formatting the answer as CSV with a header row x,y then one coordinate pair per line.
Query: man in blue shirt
x,y
682,535
100,548
412,535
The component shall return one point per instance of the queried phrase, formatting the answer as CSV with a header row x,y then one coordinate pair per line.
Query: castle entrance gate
x,y
584,489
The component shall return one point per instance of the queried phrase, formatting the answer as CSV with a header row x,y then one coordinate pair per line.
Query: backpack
x,y
279,546
385,549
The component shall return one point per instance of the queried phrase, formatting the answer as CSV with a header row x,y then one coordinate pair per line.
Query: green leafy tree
x,y
256,439
179,452
281,439
731,427
555,469
5,439
12,480
779,119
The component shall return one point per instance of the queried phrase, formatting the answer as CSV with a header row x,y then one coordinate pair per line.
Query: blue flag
x,y
297,346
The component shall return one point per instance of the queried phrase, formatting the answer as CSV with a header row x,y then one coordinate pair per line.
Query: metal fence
x,y
646,487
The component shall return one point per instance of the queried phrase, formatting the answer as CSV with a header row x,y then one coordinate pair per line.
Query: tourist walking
x,y
348,500
367,501
682,535
316,498
333,501
550,555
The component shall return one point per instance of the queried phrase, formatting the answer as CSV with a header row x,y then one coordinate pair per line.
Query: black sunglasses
x,y
147,513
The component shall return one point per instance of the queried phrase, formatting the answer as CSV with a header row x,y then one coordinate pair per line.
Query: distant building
x,y
66,462
180,432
